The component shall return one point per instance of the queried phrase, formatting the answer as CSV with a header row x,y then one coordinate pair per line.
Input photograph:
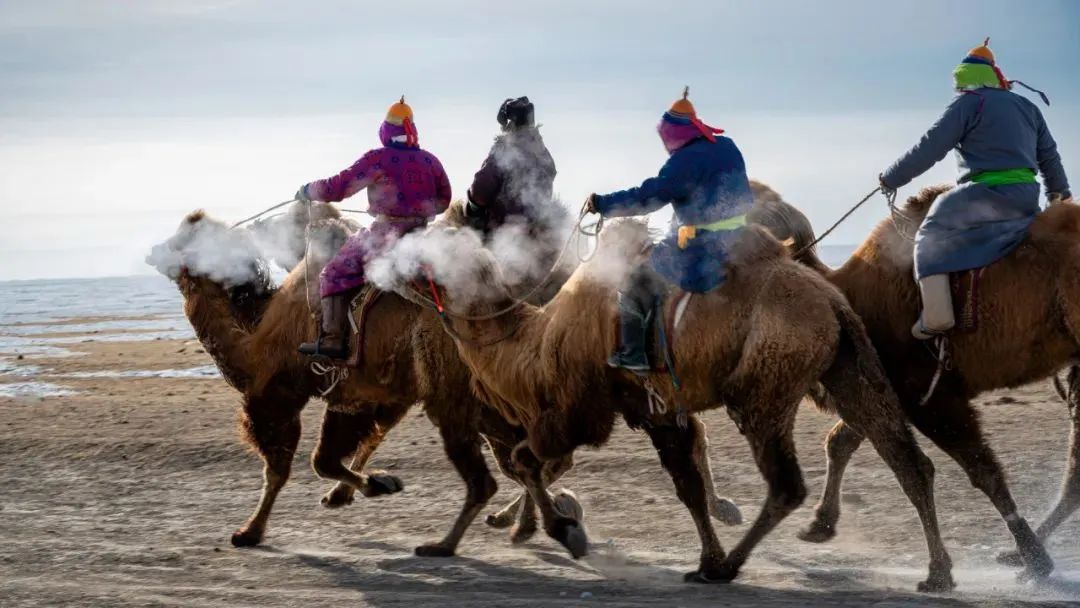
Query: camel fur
x,y
1029,328
251,330
756,346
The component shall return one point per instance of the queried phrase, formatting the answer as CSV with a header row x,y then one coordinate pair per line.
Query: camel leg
x,y
565,502
562,527
522,509
677,450
953,424
723,509
769,432
341,433
370,433
864,399
463,449
1069,499
272,425
840,445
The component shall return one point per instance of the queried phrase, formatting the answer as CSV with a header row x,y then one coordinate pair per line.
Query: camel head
x,y
206,248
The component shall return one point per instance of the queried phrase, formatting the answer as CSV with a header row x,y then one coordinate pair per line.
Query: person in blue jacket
x,y
704,180
1001,142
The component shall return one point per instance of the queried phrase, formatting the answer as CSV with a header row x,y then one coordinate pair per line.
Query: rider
x,y
406,185
1001,142
704,180
515,182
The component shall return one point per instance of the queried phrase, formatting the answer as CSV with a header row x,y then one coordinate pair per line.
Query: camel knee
x,y
327,465
788,491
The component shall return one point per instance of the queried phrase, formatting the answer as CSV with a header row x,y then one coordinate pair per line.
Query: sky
x,y
117,117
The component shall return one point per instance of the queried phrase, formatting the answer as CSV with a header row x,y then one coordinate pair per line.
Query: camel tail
x,y
786,223
856,374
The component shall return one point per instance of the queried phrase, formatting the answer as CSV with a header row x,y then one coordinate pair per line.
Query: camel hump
x,y
1060,219
756,245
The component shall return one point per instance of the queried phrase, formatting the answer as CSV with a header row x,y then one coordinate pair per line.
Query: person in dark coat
x,y
514,185
1001,142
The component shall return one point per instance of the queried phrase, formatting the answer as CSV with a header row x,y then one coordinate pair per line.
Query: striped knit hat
x,y
979,70
401,115
682,113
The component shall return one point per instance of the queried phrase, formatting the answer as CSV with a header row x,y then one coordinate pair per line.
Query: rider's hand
x,y
1059,197
301,195
590,203
886,189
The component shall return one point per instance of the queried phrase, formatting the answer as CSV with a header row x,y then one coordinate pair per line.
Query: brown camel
x,y
251,330
1013,345
756,346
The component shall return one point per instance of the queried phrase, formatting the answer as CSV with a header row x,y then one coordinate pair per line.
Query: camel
x,y
755,346
251,330
1012,346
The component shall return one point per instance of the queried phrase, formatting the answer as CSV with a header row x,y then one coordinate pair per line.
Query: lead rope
x,y
842,219
943,364
336,374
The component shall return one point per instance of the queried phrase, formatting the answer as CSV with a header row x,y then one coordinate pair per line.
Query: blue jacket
x,y
704,182
991,130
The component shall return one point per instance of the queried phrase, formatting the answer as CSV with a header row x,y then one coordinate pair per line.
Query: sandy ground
x,y
126,493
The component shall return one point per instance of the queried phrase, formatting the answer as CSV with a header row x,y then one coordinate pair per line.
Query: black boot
x,y
633,335
334,334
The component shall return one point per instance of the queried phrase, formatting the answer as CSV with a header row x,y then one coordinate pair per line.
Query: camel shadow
x,y
470,581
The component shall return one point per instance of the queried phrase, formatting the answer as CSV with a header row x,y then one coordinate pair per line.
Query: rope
x,y
265,211
657,406
943,364
336,374
840,221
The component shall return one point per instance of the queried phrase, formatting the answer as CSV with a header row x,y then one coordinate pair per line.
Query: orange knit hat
x,y
401,115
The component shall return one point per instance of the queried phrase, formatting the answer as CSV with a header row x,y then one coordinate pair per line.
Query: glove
x,y
886,189
1060,197
590,203
302,195
475,216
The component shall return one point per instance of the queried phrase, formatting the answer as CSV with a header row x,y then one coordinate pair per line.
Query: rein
x,y
517,302
842,219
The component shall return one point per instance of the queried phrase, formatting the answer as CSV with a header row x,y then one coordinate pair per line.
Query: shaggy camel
x,y
758,345
251,330
1013,345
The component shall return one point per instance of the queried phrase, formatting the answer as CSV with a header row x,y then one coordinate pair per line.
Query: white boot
x,y
937,315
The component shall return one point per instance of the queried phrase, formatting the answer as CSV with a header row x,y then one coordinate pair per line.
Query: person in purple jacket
x,y
1001,142
406,186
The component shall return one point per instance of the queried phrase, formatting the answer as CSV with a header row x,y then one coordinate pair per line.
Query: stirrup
x,y
316,349
921,332
619,361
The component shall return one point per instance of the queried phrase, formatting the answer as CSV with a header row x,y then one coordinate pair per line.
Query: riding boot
x,y
937,314
334,333
633,335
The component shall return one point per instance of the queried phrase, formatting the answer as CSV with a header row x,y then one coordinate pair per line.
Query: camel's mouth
x,y
204,247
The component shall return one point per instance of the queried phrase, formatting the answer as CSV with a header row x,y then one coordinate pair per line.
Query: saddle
x,y
668,308
359,307
965,297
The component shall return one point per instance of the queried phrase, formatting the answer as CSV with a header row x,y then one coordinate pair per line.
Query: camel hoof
x,y
246,538
1011,559
725,512
702,578
937,584
571,535
1036,572
499,520
338,497
567,504
817,532
522,533
434,550
381,484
